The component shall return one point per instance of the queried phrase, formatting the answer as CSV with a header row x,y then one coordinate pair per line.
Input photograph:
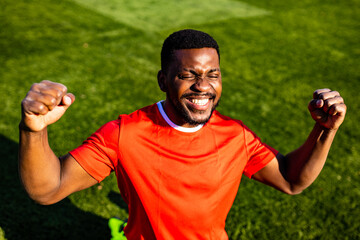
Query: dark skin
x,y
193,87
193,83
46,178
296,171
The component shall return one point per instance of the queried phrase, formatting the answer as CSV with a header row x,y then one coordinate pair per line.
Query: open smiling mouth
x,y
199,102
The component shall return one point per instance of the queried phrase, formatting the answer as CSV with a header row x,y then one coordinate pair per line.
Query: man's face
x,y
193,86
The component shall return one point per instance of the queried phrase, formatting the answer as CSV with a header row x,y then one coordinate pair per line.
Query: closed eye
x,y
212,76
186,76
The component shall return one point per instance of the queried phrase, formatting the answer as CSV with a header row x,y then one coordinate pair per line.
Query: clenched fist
x,y
327,108
44,104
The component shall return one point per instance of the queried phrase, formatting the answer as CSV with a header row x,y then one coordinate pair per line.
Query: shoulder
x,y
109,133
148,114
109,127
219,119
222,123
143,112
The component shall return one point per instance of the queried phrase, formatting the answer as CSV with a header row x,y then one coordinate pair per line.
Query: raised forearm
x,y
39,167
305,163
297,170
46,178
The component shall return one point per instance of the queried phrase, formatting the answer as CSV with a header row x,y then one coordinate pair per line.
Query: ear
x,y
162,81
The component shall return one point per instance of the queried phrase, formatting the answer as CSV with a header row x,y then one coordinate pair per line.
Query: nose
x,y
201,85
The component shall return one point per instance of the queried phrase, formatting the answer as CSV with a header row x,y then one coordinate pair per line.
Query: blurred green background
x,y
274,54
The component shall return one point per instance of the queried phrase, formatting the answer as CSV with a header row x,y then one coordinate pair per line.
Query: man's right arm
x,y
47,178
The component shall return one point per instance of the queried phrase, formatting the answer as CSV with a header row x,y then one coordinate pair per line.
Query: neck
x,y
171,112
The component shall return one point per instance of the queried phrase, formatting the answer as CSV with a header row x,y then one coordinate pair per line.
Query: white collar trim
x,y
173,125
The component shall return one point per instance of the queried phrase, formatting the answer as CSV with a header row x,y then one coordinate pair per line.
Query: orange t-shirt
x,y
178,185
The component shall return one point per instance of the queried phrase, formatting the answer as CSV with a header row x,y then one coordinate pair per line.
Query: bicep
x,y
273,174
73,178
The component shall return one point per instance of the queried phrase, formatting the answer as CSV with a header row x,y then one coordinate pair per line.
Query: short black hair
x,y
185,39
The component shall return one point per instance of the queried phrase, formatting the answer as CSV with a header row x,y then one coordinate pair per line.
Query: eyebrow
x,y
193,71
214,70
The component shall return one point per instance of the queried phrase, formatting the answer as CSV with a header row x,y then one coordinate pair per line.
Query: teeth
x,y
200,101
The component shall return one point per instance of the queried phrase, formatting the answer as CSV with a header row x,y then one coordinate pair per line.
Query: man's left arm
x,y
298,169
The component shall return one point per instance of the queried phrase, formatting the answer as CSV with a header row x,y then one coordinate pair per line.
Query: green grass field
x,y
274,54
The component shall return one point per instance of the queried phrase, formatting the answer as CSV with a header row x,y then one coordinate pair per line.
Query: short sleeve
x,y
259,154
98,153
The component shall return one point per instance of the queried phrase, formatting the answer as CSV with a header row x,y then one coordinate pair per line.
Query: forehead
x,y
196,56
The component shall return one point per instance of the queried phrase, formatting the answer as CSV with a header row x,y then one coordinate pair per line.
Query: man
x,y
178,162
